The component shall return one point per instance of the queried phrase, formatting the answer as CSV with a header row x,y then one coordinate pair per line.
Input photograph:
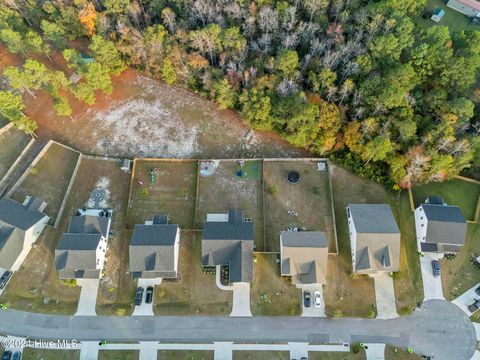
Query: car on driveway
x,y
4,278
7,355
475,306
149,295
17,355
306,298
477,290
138,296
318,299
436,268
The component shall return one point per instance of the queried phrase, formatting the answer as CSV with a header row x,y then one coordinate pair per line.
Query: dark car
x,y
306,298
138,296
4,279
436,268
477,290
475,306
7,355
17,356
149,295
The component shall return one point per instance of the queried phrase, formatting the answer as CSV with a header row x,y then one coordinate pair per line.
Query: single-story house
x,y
228,240
20,227
439,227
304,256
466,7
80,253
154,249
374,238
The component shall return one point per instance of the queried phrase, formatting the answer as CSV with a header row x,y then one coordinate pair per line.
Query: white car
x,y
318,299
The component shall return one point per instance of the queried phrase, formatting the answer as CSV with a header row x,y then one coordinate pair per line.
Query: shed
x,y
438,14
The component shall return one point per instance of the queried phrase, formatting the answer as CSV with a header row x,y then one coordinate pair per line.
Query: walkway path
x,y
241,295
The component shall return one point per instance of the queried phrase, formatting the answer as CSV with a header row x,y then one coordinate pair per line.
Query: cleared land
x,y
309,199
184,355
395,353
338,355
40,354
49,179
12,143
224,190
453,19
172,191
118,355
195,292
261,355
458,275
272,294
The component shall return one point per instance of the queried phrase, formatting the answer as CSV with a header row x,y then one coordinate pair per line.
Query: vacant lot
x,y
458,275
12,143
453,19
261,355
185,355
316,355
224,190
163,187
118,355
354,295
195,292
41,354
272,294
49,179
309,200
396,353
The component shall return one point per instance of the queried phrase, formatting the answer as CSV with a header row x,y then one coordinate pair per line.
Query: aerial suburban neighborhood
x,y
239,180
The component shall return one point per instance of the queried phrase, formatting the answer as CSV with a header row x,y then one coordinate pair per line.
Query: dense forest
x,y
356,80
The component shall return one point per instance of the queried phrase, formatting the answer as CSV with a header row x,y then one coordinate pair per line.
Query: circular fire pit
x,y
293,177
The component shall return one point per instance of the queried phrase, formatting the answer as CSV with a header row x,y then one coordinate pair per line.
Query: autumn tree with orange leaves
x,y
88,16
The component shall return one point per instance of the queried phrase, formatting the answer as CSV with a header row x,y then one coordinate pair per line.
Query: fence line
x,y
467,179
6,127
12,168
410,199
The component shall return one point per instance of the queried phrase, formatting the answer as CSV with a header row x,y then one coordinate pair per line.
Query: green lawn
x,y
184,355
396,353
12,143
317,355
453,19
41,354
261,355
118,355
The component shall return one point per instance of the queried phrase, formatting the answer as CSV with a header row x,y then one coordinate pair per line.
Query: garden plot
x,y
231,185
12,143
163,186
302,205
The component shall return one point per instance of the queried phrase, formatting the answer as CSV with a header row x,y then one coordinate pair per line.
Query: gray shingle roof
x,y
75,259
70,241
446,224
445,213
88,224
11,245
304,238
373,218
17,215
154,234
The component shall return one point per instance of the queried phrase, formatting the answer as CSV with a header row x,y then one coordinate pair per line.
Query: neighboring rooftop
x,y
19,215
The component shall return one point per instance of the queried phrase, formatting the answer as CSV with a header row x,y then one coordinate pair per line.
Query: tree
x,y
287,63
13,41
168,72
106,53
87,17
257,107
225,94
11,107
54,33
377,149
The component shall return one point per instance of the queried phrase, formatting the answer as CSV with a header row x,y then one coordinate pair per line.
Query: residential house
x,y
80,253
154,249
228,241
303,256
374,238
439,227
467,7
20,227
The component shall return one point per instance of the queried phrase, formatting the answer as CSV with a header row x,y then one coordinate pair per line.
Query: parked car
x,y
17,356
477,290
149,295
475,306
7,355
138,296
318,299
306,298
436,268
4,278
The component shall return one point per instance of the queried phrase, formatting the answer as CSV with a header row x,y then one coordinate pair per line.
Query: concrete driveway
x,y
88,296
375,351
432,286
312,311
241,295
467,298
145,309
385,296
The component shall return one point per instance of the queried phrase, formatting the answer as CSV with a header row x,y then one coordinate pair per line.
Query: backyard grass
x,y
195,292
272,294
172,192
185,355
310,199
118,355
330,355
43,354
223,191
396,353
453,19
355,295
12,143
261,355
49,179
458,275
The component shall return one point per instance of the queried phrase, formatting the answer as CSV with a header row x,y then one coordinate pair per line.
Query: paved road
x,y
439,328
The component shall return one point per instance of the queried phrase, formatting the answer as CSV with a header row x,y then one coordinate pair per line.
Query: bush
x,y
34,171
143,192
355,348
337,314
317,190
272,190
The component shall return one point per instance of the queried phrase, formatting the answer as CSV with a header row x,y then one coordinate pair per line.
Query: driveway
x,y
241,296
467,298
145,309
312,311
88,296
432,286
298,350
385,296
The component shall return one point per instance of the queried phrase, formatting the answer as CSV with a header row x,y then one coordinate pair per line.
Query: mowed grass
x,y
261,355
172,191
310,199
185,355
453,19
458,275
43,354
49,179
195,293
12,143
272,294
396,353
330,355
223,191
355,295
118,355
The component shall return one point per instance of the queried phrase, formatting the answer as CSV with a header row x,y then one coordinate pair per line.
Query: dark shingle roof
x,y
446,224
445,213
17,215
228,231
373,218
88,224
304,238
160,219
154,235
71,241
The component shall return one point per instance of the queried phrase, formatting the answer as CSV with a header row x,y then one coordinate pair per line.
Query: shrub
x,y
143,192
317,190
34,171
272,190
355,348
337,313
